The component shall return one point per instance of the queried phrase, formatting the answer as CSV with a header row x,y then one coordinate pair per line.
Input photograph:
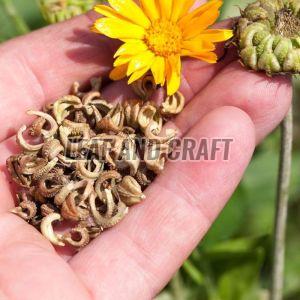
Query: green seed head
x,y
60,10
268,36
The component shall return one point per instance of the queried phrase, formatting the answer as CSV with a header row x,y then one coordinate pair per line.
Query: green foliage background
x,y
233,262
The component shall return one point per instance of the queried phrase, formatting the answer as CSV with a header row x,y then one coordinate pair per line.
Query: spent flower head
x,y
157,33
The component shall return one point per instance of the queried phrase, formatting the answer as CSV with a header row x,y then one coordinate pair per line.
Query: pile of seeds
x,y
85,161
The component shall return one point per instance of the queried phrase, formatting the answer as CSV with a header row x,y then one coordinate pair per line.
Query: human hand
x,y
135,259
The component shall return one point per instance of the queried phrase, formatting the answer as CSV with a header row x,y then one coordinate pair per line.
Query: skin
x,y
135,259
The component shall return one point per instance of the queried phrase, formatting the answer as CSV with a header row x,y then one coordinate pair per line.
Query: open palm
x,y
137,258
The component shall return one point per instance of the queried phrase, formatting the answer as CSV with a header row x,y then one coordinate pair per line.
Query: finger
x,y
30,268
266,100
41,66
150,245
2,296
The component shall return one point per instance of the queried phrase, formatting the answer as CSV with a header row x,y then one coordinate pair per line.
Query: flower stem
x,y
176,287
282,206
20,25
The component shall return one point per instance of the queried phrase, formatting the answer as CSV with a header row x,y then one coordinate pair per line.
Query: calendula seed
x,y
87,166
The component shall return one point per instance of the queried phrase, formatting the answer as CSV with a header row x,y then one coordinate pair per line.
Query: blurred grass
x,y
233,261
28,10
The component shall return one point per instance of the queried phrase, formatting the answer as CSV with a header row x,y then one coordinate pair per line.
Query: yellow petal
x,y
132,47
151,9
216,35
165,8
173,68
107,11
209,6
138,74
209,57
129,9
180,8
142,60
121,60
197,25
118,29
158,70
118,73
197,45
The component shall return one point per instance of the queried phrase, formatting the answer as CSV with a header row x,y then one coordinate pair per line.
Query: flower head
x,y
157,33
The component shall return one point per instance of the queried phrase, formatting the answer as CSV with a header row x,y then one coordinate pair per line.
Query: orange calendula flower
x,y
157,33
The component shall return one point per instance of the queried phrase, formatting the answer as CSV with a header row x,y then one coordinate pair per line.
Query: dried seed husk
x,y
113,121
132,109
84,173
47,209
53,125
149,113
42,171
63,106
52,148
129,157
72,237
142,175
154,138
106,180
114,213
61,196
144,87
13,167
130,191
155,156
29,164
173,104
37,126
71,209
25,145
50,184
80,131
89,97
93,100
26,210
47,229
37,195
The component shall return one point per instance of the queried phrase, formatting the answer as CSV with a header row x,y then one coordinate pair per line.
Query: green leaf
x,y
239,279
28,14
235,267
193,272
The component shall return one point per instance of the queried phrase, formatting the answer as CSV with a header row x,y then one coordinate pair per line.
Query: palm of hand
x,y
138,257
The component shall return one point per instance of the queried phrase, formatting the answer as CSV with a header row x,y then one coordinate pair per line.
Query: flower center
x,y
287,24
164,38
